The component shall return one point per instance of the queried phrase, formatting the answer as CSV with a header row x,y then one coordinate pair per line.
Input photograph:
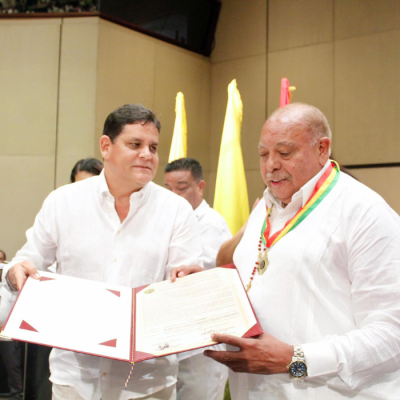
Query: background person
x,y
199,377
10,356
86,168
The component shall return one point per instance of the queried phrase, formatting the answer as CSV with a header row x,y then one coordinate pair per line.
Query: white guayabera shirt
x,y
332,286
79,227
214,231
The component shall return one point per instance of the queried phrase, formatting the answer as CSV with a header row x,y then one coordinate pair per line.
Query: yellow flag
x,y
231,199
179,139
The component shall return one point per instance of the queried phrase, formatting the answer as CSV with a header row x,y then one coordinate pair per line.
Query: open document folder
x,y
128,324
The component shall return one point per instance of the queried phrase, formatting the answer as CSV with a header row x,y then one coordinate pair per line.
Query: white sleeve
x,y
7,299
40,248
373,265
212,237
185,243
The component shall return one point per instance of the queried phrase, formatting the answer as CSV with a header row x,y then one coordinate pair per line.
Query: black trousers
x,y
11,358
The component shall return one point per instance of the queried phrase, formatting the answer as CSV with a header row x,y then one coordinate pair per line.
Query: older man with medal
x,y
321,260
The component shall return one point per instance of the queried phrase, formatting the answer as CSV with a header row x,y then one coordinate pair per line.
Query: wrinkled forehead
x,y
284,129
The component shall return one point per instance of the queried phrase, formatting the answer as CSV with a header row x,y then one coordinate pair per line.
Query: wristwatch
x,y
297,368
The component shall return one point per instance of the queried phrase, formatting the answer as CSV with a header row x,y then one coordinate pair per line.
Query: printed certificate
x,y
132,324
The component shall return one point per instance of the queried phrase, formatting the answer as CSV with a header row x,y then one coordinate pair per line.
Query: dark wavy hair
x,y
125,115
91,165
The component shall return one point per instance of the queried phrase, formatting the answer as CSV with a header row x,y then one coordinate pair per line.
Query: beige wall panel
x,y
125,71
367,99
250,74
295,23
211,178
360,17
178,70
310,69
77,97
28,85
241,30
383,181
26,184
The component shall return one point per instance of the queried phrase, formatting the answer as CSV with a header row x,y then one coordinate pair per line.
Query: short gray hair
x,y
311,117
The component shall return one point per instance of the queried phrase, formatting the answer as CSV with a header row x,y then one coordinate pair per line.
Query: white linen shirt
x,y
332,286
214,231
79,227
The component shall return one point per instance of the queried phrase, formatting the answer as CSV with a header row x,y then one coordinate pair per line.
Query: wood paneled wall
x,y
60,78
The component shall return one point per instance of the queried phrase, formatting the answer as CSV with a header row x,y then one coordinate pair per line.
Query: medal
x,y
324,185
263,263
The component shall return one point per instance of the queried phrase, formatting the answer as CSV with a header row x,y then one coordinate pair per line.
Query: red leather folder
x,y
113,321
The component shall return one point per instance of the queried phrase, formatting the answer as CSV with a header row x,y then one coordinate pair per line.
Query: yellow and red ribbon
x,y
324,185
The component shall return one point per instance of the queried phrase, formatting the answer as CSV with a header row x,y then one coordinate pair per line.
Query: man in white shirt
x,y
118,227
199,377
321,258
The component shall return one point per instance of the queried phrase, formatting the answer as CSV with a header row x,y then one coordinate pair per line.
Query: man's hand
x,y
262,355
184,270
19,272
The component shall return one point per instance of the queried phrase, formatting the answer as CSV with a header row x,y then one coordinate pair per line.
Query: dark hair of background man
x,y
186,164
91,165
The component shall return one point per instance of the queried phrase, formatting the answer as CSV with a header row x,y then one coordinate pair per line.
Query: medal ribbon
x,y
324,185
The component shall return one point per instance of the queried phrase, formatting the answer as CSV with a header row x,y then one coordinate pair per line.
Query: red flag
x,y
285,93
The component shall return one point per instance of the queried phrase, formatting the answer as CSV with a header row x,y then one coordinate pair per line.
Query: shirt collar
x,y
300,197
103,187
105,191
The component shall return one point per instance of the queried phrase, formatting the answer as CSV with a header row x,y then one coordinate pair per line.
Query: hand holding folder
x,y
128,324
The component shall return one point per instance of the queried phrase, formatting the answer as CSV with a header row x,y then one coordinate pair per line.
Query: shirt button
x,y
119,232
115,260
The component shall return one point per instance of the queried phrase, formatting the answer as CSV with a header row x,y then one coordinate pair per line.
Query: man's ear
x,y
105,146
324,146
202,185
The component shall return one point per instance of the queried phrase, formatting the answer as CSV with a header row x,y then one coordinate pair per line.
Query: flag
x,y
231,199
179,138
286,95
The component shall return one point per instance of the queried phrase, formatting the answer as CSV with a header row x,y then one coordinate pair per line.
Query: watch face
x,y
298,369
